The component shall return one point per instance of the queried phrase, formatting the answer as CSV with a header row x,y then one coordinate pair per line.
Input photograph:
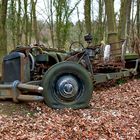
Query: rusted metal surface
x,y
32,88
30,98
108,67
5,94
15,91
104,77
39,59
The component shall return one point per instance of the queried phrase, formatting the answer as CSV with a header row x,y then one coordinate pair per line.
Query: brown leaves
x,y
114,114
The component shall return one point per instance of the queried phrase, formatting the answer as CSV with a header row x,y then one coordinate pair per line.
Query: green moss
x,y
120,81
130,56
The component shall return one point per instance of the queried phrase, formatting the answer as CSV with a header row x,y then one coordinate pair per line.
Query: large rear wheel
x,y
67,85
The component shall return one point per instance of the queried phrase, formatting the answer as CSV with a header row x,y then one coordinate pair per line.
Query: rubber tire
x,y
67,68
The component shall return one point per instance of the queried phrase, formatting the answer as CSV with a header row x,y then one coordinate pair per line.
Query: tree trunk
x,y
138,18
87,14
51,22
12,23
31,23
35,21
128,14
19,34
26,21
133,19
3,33
123,19
80,27
63,12
59,11
100,27
112,29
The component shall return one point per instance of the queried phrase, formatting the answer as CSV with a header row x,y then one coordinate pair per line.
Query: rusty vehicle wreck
x,y
61,79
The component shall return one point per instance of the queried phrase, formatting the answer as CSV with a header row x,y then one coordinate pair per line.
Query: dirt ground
x,y
114,114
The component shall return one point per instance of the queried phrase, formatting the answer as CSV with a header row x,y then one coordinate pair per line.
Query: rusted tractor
x,y
61,79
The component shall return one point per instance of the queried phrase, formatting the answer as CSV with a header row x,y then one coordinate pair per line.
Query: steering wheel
x,y
36,51
76,47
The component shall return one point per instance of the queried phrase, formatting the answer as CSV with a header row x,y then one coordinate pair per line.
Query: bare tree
x,y
12,21
51,21
26,20
128,23
19,23
87,14
133,31
100,16
138,18
112,28
123,19
128,13
3,32
35,26
79,26
63,12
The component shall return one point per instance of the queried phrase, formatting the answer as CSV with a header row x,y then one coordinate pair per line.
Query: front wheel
x,y
67,85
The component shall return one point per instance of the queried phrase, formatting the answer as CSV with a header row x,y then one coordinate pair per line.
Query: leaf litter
x,y
114,114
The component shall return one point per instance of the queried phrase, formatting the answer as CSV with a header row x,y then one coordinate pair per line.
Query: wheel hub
x,y
67,86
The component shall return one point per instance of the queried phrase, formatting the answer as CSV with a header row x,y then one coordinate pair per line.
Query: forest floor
x,y
114,114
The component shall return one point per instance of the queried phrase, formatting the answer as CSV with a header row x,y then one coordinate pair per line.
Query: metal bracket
x,y
15,90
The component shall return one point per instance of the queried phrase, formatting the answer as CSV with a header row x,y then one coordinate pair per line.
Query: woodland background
x,y
114,111
19,24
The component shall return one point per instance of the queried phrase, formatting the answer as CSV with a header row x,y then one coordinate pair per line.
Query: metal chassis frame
x,y
15,91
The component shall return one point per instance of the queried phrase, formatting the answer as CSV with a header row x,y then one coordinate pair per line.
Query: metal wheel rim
x,y
67,88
